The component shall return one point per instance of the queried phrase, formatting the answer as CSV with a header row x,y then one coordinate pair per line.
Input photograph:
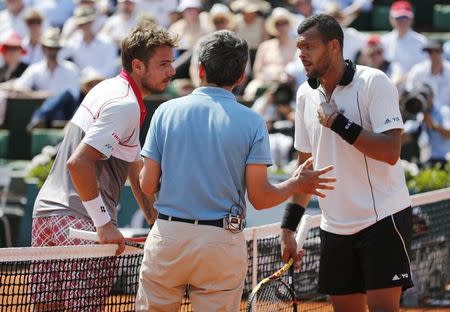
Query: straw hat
x,y
84,14
250,6
334,10
278,14
219,10
32,15
51,38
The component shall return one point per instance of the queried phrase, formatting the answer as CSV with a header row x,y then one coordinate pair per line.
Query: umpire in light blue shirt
x,y
202,152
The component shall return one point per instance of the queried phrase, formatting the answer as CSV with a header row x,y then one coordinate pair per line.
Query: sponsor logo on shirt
x,y
398,277
116,137
393,119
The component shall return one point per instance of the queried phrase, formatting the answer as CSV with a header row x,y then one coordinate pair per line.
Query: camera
x,y
418,100
282,97
283,94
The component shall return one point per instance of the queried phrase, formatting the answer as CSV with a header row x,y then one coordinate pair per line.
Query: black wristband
x,y
292,215
346,128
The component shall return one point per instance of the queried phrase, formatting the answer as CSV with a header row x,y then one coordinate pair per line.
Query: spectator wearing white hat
x,y
119,25
49,76
70,27
250,22
32,42
190,28
221,18
402,44
274,54
160,10
11,19
91,50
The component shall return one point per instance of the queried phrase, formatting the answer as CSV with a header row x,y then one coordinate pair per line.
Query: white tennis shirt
x,y
366,190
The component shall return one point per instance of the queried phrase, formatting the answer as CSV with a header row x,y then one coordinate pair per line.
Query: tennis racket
x,y
136,242
272,293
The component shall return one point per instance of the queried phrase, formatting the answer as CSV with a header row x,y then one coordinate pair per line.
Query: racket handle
x,y
307,223
93,237
82,234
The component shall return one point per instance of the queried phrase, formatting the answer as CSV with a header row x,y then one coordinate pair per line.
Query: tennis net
x,y
91,278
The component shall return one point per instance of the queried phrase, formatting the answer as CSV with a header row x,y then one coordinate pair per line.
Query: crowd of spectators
x,y
59,49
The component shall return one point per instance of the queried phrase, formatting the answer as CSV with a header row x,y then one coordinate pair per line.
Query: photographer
x,y
435,71
424,117
275,106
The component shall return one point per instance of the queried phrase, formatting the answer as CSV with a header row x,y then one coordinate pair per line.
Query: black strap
x,y
217,223
346,78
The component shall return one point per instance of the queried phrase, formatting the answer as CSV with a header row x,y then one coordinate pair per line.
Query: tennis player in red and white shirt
x,y
101,149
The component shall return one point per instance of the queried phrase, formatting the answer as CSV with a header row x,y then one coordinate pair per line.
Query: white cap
x,y
187,4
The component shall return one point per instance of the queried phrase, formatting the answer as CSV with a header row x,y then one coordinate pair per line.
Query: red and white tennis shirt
x,y
109,120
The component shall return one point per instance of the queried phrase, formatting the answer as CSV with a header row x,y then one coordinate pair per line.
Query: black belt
x,y
218,223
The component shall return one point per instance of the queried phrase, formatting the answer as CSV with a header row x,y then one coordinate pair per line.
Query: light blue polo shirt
x,y
203,143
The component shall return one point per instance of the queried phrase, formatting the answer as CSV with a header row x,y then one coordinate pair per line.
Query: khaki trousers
x,y
213,261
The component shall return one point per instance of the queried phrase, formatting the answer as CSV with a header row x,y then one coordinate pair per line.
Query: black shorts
x,y
374,258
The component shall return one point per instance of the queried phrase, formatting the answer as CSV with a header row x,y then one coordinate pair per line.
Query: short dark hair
x,y
142,41
327,26
224,57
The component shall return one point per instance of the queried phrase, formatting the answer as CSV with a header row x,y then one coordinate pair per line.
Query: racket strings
x,y
273,296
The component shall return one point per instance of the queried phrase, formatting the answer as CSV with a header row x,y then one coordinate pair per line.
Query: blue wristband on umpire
x,y
292,215
346,128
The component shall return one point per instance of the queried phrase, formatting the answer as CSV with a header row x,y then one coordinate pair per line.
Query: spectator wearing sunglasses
x,y
373,56
274,54
32,42
435,71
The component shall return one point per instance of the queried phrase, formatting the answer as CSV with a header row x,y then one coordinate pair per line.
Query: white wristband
x,y
97,211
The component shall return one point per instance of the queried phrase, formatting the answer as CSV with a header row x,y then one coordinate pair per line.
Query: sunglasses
x,y
281,23
220,21
375,53
34,22
431,51
12,48
402,18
